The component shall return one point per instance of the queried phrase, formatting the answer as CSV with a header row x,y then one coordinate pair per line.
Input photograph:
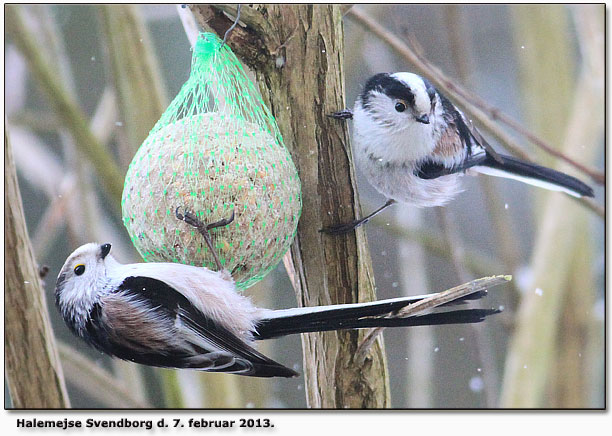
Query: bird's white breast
x,y
388,157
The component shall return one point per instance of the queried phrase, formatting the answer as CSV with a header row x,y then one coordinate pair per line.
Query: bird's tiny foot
x,y
345,114
221,223
204,230
189,218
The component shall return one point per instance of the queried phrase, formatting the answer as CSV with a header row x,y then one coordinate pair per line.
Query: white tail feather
x,y
287,313
531,181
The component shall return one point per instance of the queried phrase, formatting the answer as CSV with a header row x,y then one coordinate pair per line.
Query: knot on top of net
x,y
215,150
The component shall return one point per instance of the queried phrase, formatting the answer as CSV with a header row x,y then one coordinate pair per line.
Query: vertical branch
x,y
570,378
462,54
136,74
539,54
33,371
65,107
484,345
414,280
297,54
563,228
141,99
463,60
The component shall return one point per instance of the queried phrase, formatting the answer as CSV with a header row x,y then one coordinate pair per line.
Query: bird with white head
x,y
179,316
414,145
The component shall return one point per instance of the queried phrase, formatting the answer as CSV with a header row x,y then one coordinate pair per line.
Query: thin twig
x,y
477,263
65,107
426,304
539,336
483,339
189,23
95,381
497,115
468,100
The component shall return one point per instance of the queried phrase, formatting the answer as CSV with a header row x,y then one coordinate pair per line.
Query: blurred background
x,y
118,66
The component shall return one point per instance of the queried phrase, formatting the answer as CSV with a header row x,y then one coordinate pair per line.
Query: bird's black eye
x,y
79,269
400,107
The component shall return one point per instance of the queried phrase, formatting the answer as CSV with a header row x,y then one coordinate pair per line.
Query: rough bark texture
x,y
33,371
296,52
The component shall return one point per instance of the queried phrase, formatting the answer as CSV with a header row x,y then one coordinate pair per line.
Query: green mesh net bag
x,y
215,150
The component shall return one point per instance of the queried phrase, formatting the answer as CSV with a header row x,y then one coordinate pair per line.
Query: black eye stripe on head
x,y
388,85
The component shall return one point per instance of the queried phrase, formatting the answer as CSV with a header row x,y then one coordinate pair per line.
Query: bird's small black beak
x,y
423,119
104,250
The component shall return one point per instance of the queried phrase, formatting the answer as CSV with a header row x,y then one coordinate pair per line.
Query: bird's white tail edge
x,y
530,181
287,313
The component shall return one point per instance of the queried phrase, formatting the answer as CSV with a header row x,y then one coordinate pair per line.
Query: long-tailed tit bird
x,y
180,316
413,145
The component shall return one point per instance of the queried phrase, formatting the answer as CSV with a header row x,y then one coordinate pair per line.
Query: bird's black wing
x,y
272,328
509,167
469,134
432,170
480,140
147,321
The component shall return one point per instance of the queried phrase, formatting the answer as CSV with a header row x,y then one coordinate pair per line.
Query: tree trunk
x,y
33,371
296,52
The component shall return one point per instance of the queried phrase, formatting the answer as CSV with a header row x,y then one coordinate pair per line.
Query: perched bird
x,y
180,316
413,145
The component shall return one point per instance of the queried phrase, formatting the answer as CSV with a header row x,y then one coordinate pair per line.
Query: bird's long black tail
x,y
513,168
364,315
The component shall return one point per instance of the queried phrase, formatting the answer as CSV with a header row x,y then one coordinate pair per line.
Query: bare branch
x,y
33,372
429,303
95,381
135,71
564,235
189,23
475,261
65,107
